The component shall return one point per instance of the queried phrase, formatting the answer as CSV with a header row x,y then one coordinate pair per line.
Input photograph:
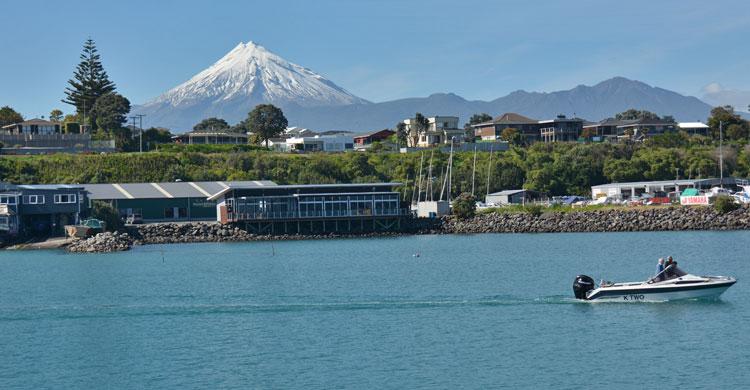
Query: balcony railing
x,y
271,215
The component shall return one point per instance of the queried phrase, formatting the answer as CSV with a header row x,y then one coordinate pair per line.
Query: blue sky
x,y
380,50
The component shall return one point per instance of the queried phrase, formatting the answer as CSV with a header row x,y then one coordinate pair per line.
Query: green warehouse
x,y
160,202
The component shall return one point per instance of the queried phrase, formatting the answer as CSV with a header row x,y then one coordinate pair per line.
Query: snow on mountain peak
x,y
252,73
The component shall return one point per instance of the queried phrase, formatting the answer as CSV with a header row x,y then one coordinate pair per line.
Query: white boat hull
x,y
680,289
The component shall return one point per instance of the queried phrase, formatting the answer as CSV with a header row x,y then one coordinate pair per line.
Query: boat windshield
x,y
674,272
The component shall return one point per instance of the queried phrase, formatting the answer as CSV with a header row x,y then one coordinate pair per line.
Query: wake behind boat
x,y
673,284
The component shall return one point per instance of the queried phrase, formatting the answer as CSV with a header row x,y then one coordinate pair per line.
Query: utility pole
x,y
140,126
133,118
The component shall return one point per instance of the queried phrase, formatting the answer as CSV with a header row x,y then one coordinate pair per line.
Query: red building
x,y
367,139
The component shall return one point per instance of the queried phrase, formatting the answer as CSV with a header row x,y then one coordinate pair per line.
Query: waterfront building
x,y
632,189
40,209
10,198
162,202
440,130
433,208
315,208
508,197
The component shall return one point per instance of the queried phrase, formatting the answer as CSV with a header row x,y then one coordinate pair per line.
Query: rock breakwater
x,y
103,242
610,220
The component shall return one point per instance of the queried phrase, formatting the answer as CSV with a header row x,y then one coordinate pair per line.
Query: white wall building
x,y
694,127
440,130
318,143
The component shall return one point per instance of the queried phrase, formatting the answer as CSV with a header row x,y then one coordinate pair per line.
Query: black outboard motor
x,y
582,285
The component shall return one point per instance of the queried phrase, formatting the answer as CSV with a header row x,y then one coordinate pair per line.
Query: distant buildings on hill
x,y
39,136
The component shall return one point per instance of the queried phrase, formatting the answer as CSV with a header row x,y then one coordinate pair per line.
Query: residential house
x,y
694,128
604,130
560,129
492,130
318,143
363,140
440,130
212,137
32,126
638,129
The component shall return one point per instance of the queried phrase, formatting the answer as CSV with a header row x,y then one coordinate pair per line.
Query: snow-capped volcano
x,y
246,76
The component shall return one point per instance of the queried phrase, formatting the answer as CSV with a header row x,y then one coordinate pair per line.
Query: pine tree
x,y
89,82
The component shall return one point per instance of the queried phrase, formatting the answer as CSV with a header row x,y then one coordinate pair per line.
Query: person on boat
x,y
668,267
660,270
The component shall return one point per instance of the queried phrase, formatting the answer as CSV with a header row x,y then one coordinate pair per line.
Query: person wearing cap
x,y
660,270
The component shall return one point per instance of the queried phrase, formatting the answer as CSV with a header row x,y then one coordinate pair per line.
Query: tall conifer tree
x,y
89,82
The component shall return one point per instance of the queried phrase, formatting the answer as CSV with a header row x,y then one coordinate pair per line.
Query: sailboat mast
x,y
419,180
721,155
489,170
474,171
429,183
450,173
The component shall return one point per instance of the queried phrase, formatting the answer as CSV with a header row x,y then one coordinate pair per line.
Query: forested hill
x,y
554,168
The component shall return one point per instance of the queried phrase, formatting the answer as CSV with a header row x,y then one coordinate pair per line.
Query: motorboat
x,y
669,285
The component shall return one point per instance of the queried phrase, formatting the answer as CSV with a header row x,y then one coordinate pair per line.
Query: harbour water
x,y
476,311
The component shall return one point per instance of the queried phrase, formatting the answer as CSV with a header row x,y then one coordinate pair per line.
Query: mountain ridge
x,y
250,74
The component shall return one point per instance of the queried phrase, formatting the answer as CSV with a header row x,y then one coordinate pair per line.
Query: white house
x,y
440,130
694,128
318,143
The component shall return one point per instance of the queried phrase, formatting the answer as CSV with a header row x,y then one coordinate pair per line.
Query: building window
x,y
33,199
65,198
7,199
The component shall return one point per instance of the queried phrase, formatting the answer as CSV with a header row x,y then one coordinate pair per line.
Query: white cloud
x,y
716,95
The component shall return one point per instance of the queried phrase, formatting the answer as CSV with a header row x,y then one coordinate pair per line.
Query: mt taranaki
x,y
250,74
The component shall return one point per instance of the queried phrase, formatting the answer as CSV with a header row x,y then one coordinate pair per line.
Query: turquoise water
x,y
479,311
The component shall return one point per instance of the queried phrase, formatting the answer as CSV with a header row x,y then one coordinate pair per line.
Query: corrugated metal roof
x,y
164,190
507,192
49,186
692,125
305,186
